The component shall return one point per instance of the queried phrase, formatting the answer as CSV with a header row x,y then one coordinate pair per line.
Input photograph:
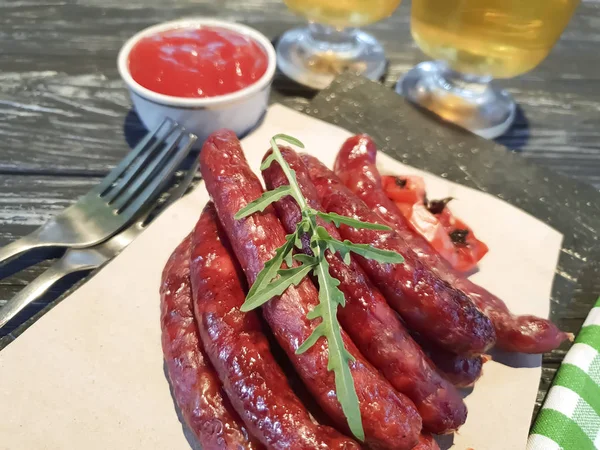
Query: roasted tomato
x,y
406,189
450,236
468,249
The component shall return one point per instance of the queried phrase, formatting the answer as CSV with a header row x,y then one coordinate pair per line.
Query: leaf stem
x,y
290,174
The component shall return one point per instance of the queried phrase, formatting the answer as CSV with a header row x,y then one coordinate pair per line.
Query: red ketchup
x,y
197,62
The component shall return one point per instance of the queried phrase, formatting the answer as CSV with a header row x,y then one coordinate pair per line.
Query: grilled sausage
x,y
390,420
428,305
371,323
196,387
239,351
355,165
426,442
462,371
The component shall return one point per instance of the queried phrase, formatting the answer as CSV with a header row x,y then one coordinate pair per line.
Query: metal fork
x,y
79,260
112,204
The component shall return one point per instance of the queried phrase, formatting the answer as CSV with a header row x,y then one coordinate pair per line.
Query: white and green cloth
x,y
570,417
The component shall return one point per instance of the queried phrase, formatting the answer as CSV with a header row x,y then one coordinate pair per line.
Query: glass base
x,y
467,101
315,55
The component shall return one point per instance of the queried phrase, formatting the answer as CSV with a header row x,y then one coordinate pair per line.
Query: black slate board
x,y
418,139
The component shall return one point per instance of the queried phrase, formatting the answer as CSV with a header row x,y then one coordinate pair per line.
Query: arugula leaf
x,y
273,157
368,251
287,278
289,139
311,340
289,259
298,242
364,250
263,201
306,259
270,269
267,161
338,220
339,358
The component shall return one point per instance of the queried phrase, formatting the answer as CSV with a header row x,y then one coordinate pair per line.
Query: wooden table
x,y
65,116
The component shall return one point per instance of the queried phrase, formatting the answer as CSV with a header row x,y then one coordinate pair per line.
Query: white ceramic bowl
x,y
238,111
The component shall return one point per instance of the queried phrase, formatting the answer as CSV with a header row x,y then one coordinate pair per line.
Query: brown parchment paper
x,y
89,374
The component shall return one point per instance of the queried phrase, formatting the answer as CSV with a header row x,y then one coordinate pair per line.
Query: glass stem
x,y
343,42
465,85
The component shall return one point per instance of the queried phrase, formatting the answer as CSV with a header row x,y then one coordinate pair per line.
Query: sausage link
x,y
390,420
462,371
428,305
355,165
239,351
371,323
426,442
196,387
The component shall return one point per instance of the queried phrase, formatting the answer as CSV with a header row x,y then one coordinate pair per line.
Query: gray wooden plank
x,y
27,201
30,200
71,95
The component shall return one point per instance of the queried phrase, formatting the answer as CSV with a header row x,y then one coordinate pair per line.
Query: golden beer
x,y
499,38
343,13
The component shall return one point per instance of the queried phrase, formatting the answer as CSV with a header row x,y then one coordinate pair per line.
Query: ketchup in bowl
x,y
197,62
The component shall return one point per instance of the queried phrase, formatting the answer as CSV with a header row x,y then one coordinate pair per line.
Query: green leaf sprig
x,y
274,279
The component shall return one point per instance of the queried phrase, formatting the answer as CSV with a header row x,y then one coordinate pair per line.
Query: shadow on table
x,y
445,441
28,259
516,360
187,432
133,129
518,134
44,257
41,306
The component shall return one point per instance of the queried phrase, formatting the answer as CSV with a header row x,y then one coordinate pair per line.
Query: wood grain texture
x,y
65,116
27,201
59,78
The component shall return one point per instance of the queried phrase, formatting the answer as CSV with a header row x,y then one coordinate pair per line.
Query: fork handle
x,y
28,242
34,290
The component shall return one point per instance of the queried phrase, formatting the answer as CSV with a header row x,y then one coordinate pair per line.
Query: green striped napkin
x,y
570,417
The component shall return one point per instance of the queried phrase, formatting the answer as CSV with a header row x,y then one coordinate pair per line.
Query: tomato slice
x,y
406,189
450,236
431,229
469,249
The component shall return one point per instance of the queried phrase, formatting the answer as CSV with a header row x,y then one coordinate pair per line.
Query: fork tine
x,y
112,192
157,183
129,158
174,194
148,172
180,190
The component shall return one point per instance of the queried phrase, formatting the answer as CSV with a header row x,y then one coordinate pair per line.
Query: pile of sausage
x,y
417,330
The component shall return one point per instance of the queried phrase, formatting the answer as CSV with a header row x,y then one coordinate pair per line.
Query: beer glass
x,y
474,41
332,43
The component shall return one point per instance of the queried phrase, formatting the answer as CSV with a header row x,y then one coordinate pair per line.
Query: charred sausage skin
x,y
240,353
355,165
428,305
390,419
196,387
371,323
